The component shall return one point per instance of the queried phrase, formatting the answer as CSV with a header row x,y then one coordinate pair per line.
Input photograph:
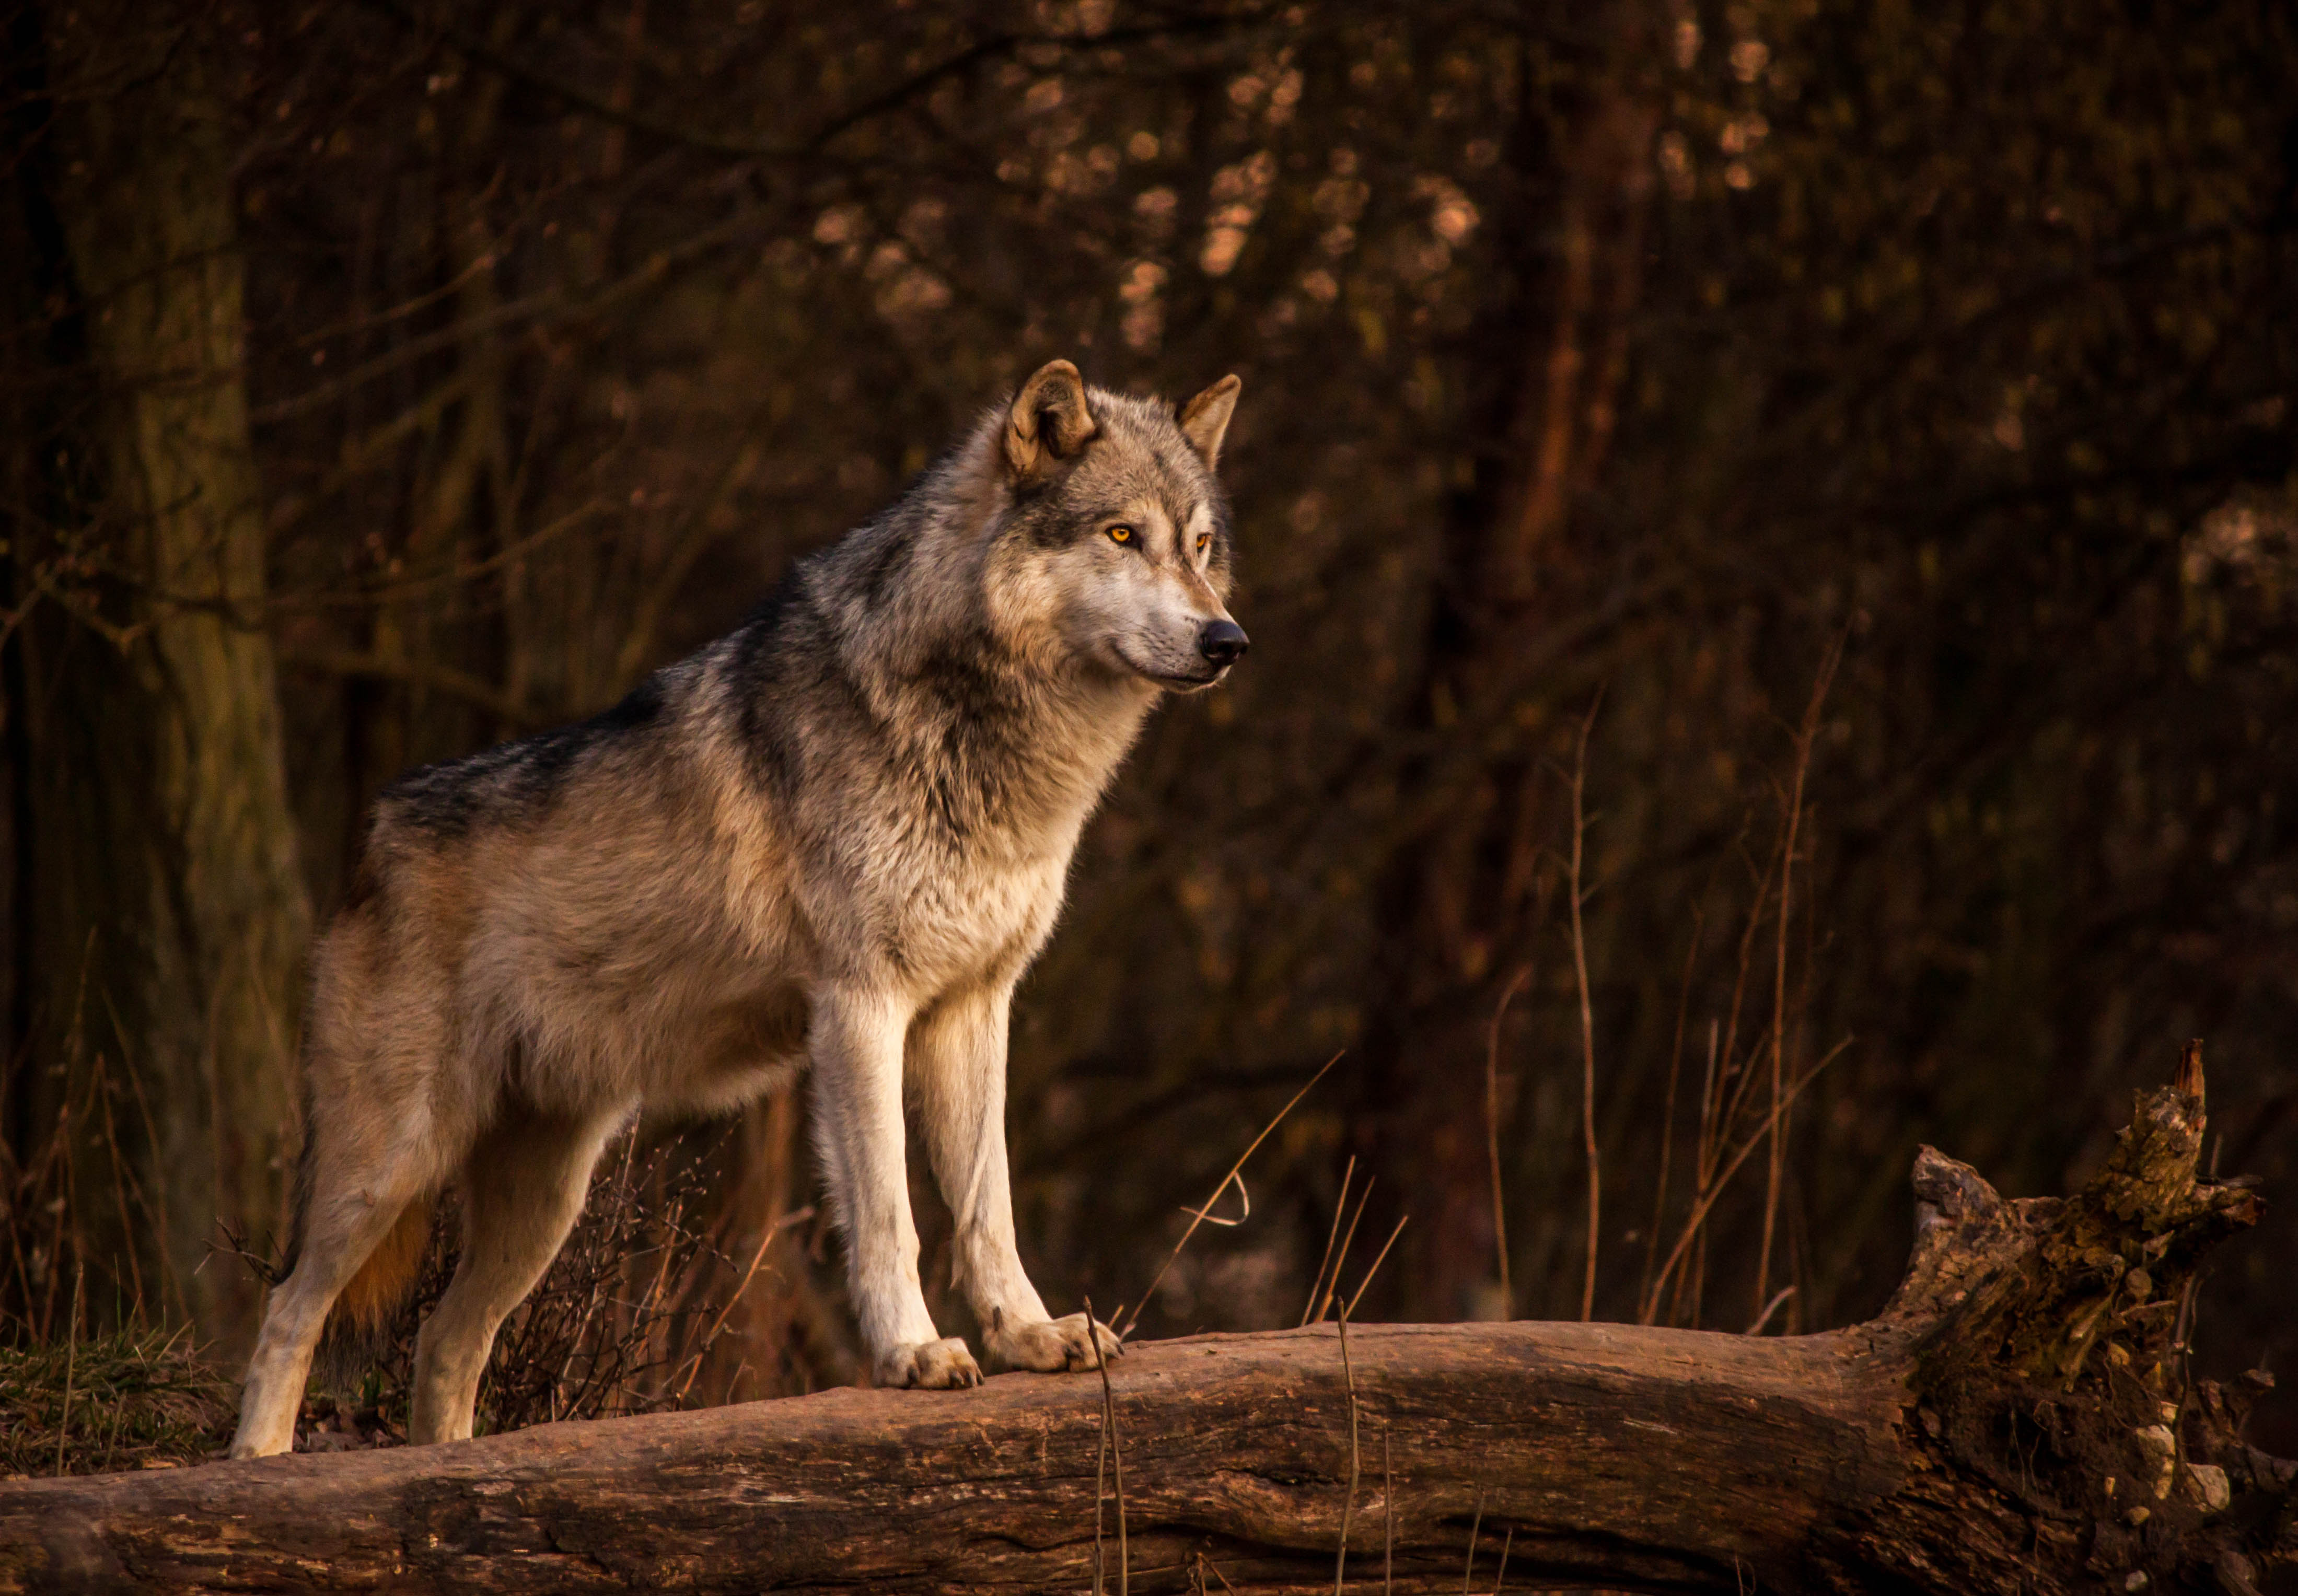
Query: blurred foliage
x,y
1653,349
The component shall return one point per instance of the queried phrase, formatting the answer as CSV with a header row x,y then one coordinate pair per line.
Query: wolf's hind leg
x,y
522,1190
357,1197
958,1063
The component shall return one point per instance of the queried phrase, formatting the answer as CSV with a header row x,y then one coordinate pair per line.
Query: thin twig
x,y
1805,734
122,1185
1699,1215
1717,1133
118,1414
710,1339
1387,1519
1332,1239
1377,1257
1116,1460
1100,1474
1667,1104
1475,1524
72,1361
2184,1321
1703,1171
1348,1240
1348,1505
431,674
1501,1577
1587,1012
1770,1308
1244,1207
1265,1131
1492,1135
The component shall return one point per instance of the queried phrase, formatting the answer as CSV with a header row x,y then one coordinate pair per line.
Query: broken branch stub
x,y
2046,1375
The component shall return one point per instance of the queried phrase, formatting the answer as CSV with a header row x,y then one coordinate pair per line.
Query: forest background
x,y
1769,532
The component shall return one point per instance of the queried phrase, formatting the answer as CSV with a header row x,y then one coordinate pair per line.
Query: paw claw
x,y
1050,1346
944,1365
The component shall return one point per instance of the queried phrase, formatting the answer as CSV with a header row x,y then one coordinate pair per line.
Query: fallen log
x,y
2019,1419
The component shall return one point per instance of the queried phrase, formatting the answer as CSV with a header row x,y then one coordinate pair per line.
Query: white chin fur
x,y
1174,682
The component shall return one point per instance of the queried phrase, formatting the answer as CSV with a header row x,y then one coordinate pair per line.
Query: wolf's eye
x,y
1120,534
1204,541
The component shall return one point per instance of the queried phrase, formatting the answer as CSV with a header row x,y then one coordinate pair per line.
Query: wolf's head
x,y
1116,541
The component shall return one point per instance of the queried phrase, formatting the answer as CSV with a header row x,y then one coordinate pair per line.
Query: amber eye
x,y
1120,534
1204,541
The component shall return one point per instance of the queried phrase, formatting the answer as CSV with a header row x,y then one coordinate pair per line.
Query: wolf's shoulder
x,y
788,620
511,780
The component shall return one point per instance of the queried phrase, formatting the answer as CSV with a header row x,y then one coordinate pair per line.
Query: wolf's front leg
x,y
959,1068
856,1044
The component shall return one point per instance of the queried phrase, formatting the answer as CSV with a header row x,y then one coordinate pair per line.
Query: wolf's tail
x,y
383,1282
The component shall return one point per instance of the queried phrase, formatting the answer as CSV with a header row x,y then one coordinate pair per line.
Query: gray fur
x,y
837,835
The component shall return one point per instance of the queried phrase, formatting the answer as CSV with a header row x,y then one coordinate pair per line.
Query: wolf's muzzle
x,y
1222,643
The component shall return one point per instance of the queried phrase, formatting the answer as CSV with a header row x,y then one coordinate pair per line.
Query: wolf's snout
x,y
1222,643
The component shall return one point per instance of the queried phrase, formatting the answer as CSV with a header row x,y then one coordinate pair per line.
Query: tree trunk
x,y
2017,1420
1469,885
173,912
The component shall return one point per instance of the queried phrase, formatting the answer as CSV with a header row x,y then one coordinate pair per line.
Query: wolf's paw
x,y
1049,1347
943,1365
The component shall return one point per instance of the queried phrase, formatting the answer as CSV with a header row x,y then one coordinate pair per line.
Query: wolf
x,y
834,839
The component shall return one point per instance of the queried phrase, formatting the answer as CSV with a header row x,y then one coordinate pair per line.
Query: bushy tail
x,y
383,1282
359,1326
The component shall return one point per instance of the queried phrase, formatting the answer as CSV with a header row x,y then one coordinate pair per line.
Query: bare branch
x,y
418,673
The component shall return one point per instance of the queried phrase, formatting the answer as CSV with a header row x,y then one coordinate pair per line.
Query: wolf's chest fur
x,y
952,843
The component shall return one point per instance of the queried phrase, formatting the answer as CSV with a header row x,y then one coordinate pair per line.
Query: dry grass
x,y
1198,1216
1580,895
1492,1137
1737,1117
45,1254
138,1400
91,1379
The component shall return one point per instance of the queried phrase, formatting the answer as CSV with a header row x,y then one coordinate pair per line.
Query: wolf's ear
x,y
1050,420
1205,419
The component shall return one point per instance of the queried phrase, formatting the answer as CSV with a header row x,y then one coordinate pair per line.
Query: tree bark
x,y
172,911
2016,1420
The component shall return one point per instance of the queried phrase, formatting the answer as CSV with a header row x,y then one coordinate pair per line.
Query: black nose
x,y
1223,643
